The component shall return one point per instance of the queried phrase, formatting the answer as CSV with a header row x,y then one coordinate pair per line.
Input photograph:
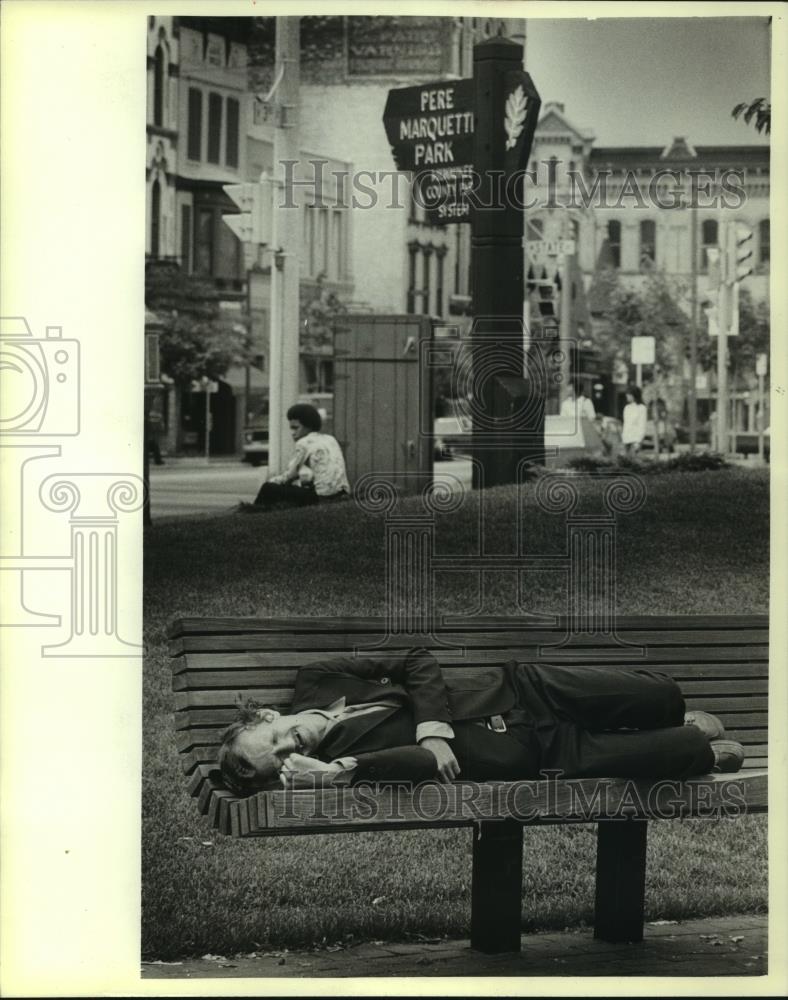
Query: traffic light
x,y
740,252
253,223
547,293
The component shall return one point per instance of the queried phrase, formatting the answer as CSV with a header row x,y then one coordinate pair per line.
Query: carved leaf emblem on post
x,y
516,107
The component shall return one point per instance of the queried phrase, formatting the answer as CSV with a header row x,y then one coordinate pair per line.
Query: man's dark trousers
x,y
587,722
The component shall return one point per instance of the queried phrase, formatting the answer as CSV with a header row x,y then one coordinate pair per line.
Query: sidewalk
x,y
718,946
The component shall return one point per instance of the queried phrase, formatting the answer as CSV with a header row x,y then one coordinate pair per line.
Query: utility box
x,y
383,407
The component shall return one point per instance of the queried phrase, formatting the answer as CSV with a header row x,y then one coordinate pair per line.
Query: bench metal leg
x,y
496,888
620,880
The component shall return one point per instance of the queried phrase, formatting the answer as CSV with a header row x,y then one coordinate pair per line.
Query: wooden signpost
x,y
467,143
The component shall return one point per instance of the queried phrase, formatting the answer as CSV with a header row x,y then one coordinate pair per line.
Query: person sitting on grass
x,y
396,719
316,471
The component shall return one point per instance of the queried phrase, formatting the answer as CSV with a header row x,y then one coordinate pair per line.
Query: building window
x,y
194,142
322,248
416,213
708,239
338,245
308,249
614,242
155,218
203,242
426,266
648,244
186,238
764,241
413,250
231,147
214,127
440,254
158,86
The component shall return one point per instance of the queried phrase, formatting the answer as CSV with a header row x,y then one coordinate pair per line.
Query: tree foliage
x,y
197,338
754,333
654,310
320,309
760,109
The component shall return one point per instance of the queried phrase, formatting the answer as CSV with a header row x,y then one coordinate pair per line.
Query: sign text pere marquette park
x,y
430,129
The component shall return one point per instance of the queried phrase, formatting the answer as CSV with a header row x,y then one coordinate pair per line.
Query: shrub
x,y
700,462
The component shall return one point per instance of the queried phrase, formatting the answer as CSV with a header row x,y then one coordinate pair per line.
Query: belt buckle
x,y
496,723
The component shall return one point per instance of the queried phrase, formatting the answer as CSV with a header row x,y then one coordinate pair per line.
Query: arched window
x,y
708,240
155,218
764,246
158,85
614,242
648,244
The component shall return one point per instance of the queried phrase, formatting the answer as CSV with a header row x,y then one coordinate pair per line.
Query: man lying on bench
x,y
397,719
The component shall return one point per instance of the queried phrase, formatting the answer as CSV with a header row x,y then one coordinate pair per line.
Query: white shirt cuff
x,y
440,729
348,766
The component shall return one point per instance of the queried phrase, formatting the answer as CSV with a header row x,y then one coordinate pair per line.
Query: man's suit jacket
x,y
384,742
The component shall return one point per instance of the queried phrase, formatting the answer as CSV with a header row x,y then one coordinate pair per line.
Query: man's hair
x,y
305,414
238,773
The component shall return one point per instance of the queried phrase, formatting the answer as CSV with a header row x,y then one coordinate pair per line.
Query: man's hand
x,y
299,771
448,768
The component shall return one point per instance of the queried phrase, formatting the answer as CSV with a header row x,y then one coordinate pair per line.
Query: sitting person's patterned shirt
x,y
318,459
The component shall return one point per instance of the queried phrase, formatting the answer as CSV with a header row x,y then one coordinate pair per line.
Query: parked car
x,y
451,437
255,443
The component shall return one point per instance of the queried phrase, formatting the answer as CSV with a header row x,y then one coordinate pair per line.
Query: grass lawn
x,y
700,544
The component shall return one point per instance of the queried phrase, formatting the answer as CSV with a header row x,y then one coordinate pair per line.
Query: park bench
x,y
720,662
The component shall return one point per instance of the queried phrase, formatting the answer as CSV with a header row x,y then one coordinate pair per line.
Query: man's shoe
x,y
709,724
728,756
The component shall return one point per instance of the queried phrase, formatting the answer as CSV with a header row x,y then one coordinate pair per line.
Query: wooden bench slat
x,y
203,717
192,680
750,657
344,642
579,800
736,723
222,698
200,626
754,748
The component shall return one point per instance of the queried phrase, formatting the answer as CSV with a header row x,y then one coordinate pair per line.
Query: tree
x,y
651,311
197,339
320,309
760,109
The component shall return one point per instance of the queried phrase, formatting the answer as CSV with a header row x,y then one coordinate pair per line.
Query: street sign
x,y
253,223
430,129
540,250
431,125
761,364
643,350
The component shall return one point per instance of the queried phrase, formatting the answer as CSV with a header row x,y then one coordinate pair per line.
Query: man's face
x,y
297,429
266,744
